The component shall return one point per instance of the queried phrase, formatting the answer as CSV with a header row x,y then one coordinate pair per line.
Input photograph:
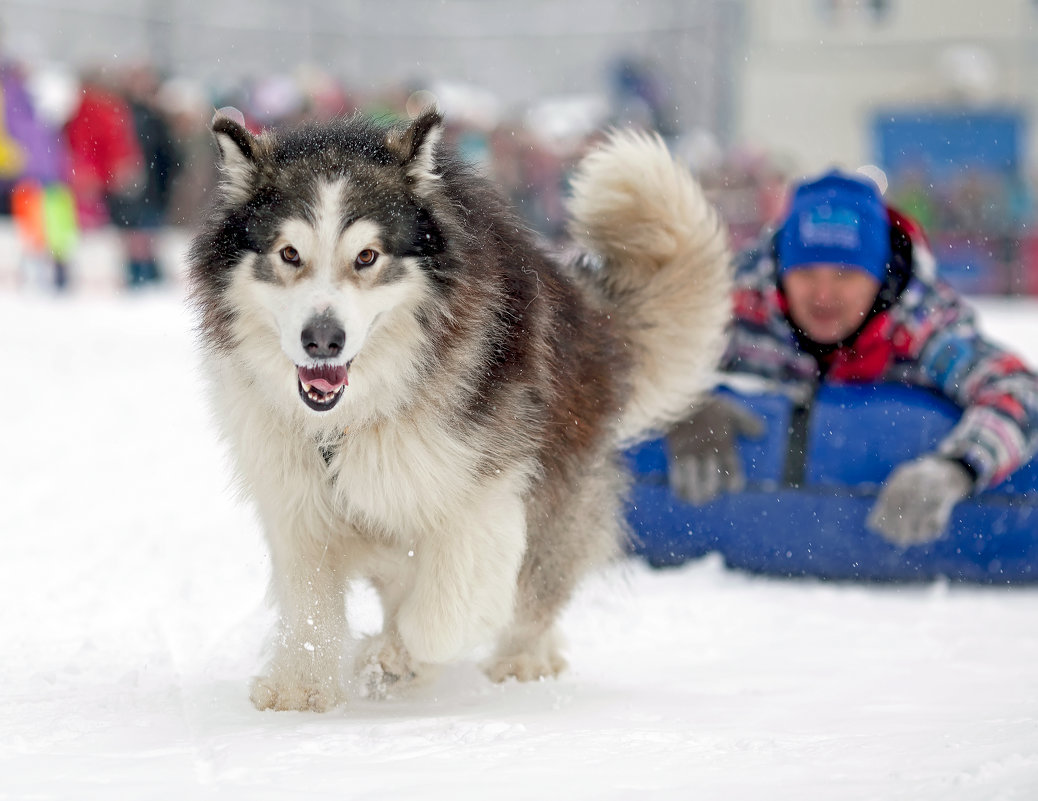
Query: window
x,y
840,12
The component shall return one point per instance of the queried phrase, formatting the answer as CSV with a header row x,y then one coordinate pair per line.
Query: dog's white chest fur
x,y
401,477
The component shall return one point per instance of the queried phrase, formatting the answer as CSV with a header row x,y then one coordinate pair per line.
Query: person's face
x,y
829,301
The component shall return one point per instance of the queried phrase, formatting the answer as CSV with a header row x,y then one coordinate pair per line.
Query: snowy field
x,y
133,615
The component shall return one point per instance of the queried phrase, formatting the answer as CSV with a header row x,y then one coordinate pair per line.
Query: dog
x,y
418,394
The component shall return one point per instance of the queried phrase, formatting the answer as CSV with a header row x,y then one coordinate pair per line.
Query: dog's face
x,y
331,235
325,285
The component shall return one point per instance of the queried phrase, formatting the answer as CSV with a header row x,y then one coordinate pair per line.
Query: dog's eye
x,y
290,255
366,258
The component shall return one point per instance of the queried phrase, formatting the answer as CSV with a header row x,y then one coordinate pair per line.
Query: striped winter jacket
x,y
925,336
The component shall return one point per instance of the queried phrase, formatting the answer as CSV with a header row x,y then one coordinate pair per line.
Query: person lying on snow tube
x,y
846,291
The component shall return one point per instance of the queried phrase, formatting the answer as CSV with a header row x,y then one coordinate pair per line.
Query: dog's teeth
x,y
306,387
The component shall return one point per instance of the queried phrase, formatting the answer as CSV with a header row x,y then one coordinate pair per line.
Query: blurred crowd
x,y
102,149
128,151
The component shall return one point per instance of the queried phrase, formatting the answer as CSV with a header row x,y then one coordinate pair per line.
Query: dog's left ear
x,y
415,147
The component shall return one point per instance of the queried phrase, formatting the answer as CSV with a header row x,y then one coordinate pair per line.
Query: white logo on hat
x,y
825,228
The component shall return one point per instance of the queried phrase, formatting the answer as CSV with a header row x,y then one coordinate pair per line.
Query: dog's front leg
x,y
306,669
465,580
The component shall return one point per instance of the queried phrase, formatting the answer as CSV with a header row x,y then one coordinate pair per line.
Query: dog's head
x,y
322,237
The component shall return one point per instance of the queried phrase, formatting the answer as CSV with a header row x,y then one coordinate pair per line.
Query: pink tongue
x,y
324,378
322,385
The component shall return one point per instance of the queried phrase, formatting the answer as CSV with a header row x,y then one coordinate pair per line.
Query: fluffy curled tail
x,y
666,269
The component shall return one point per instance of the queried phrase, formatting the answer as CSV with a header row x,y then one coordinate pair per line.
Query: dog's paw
x,y
525,667
269,693
384,667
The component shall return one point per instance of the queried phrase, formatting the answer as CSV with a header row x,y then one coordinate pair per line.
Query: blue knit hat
x,y
836,219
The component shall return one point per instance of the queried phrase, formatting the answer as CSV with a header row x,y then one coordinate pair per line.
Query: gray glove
x,y
704,460
917,500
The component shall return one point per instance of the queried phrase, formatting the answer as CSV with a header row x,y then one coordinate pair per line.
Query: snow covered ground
x,y
132,616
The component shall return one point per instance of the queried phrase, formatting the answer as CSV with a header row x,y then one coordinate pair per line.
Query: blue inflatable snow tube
x,y
811,481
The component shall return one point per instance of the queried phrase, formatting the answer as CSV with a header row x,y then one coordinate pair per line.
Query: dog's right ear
x,y
238,152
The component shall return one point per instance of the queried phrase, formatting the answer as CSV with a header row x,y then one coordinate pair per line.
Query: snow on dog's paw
x,y
385,666
267,693
524,667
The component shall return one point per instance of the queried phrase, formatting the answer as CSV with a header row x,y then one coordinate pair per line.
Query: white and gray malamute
x,y
417,395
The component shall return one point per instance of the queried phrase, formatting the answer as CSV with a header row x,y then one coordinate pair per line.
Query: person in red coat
x,y
104,154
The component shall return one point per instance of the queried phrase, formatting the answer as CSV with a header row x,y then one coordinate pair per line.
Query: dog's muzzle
x,y
321,385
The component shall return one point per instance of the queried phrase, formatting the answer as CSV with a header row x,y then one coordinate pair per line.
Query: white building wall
x,y
816,70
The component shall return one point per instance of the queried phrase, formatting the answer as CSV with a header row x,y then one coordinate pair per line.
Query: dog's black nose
x,y
323,337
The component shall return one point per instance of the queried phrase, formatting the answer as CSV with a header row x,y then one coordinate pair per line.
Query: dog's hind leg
x,y
570,534
530,648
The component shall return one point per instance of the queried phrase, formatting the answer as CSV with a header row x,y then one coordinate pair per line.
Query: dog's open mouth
x,y
321,387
